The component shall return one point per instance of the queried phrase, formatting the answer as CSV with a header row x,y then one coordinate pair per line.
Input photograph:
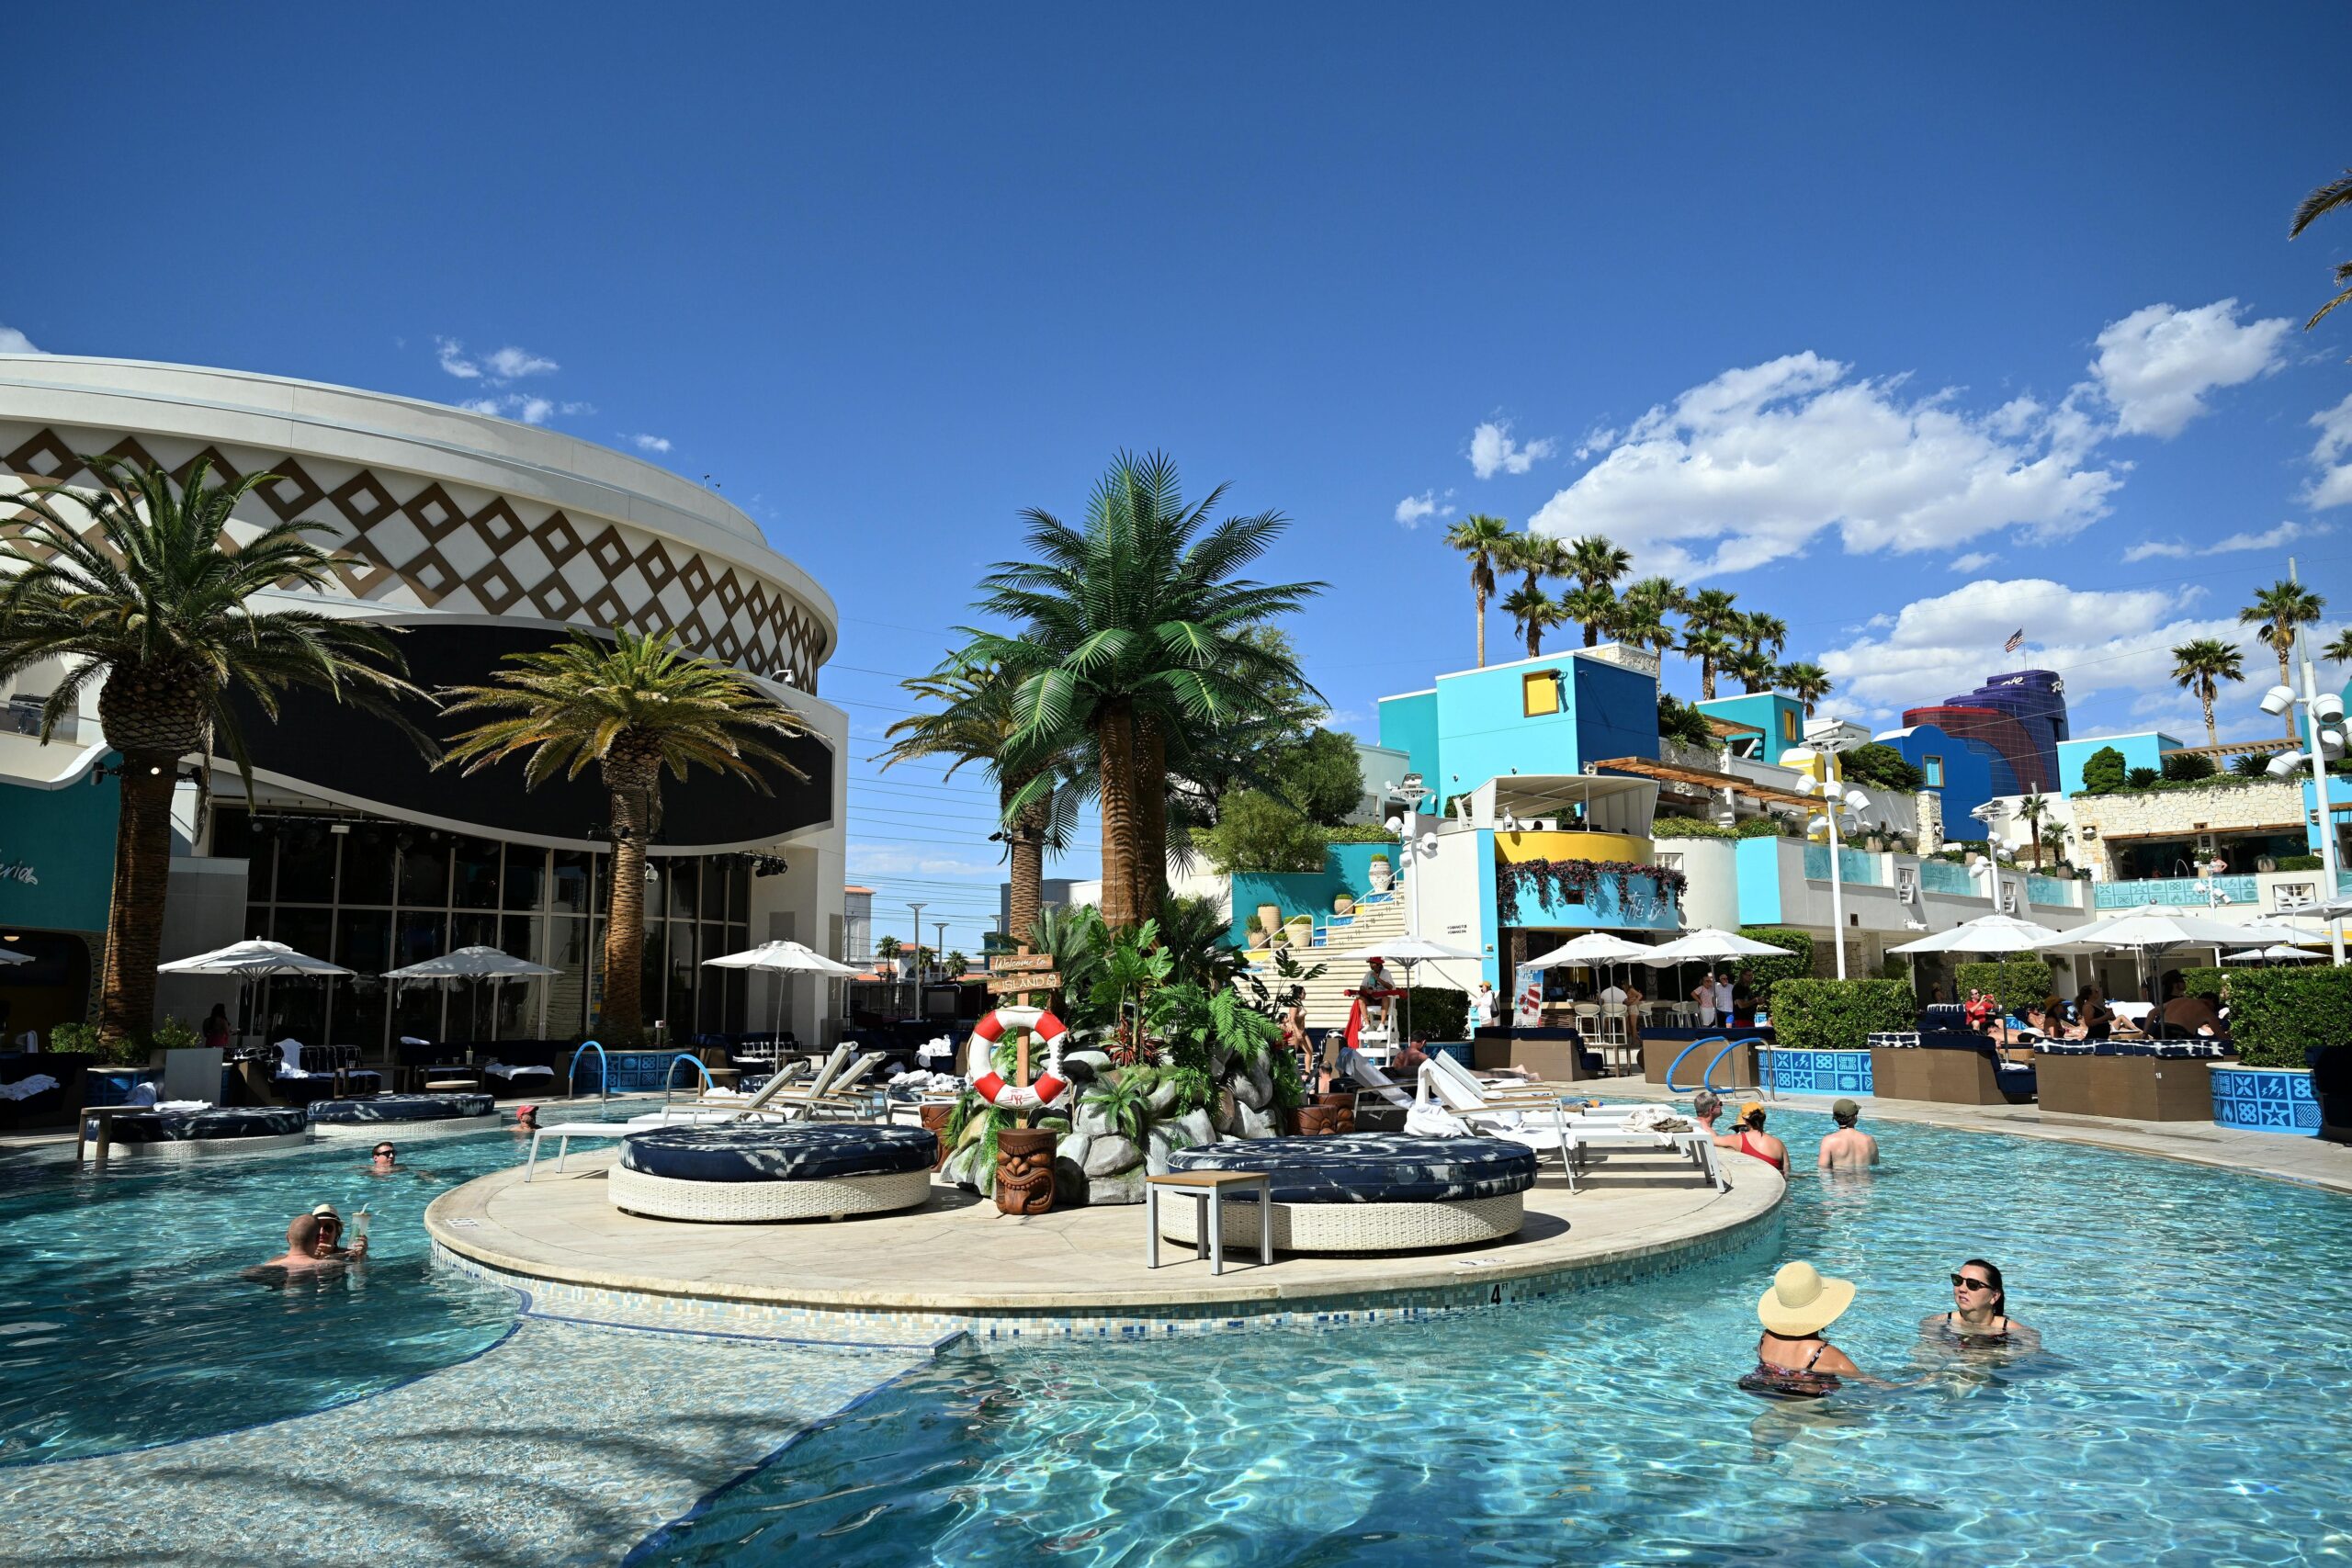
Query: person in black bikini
x,y
1980,1317
1793,1360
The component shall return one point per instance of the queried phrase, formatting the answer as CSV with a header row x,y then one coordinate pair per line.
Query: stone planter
x,y
1328,1115
1553,1060
1024,1170
1380,874
935,1122
1270,920
2265,1099
1898,1073
1737,1070
2139,1088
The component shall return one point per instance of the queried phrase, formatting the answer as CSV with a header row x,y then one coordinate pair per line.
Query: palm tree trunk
x,y
2212,735
1535,641
1592,634
1025,845
1706,679
1115,743
2285,636
631,781
1151,818
143,872
1482,627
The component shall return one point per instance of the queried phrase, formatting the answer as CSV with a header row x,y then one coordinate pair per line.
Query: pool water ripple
x,y
124,1322
2200,1332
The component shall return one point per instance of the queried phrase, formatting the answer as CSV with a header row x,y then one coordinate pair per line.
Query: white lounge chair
x,y
1541,1127
772,1099
1546,1123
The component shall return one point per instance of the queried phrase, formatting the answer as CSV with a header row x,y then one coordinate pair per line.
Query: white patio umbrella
x,y
469,963
1593,947
1709,942
2150,928
250,961
1408,950
782,958
2281,954
1986,933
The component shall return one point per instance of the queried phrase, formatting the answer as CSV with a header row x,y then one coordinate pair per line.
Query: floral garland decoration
x,y
1575,881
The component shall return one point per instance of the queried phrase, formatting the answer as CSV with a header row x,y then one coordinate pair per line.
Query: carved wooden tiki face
x,y
1024,1180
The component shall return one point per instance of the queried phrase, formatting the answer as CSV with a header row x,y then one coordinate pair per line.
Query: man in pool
x,y
1707,1108
385,1161
1848,1148
310,1246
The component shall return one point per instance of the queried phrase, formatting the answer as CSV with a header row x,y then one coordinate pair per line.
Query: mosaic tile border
x,y
2265,1099
1816,1071
886,1329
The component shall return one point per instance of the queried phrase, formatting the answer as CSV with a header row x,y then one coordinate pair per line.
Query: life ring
x,y
990,1085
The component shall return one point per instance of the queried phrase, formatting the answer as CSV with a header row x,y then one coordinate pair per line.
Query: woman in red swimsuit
x,y
1752,1139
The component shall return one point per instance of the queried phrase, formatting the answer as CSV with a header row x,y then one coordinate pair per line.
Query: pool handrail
x,y
604,1073
1707,1079
669,1075
1673,1088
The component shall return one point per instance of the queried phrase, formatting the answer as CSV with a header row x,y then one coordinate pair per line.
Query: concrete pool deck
x,y
957,1265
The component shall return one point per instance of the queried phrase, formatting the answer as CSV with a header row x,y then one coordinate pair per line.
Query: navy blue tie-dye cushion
x,y
402,1108
757,1152
1371,1168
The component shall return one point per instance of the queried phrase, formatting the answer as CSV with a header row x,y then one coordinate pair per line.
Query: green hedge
x,y
1440,1011
2277,1014
1838,1015
2019,981
1763,974
2205,982
1765,827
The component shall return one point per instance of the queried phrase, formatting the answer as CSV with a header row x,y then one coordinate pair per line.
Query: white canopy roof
x,y
251,959
787,956
1708,942
2151,926
470,964
1408,950
2272,955
1593,947
1986,933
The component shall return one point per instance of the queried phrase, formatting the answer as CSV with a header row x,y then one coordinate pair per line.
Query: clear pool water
x,y
2189,1408
124,1322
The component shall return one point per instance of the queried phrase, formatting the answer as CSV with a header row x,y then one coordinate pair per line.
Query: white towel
x,y
183,1105
25,1088
1432,1121
504,1071
289,1055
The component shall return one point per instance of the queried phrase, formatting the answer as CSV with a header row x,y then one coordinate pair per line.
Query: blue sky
x,y
1910,328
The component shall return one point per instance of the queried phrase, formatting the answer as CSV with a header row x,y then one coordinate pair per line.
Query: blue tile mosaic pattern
x,y
1816,1071
630,1072
2265,1099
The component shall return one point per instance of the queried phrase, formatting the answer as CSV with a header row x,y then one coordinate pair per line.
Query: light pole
x,y
915,961
2324,731
1828,738
1413,845
939,944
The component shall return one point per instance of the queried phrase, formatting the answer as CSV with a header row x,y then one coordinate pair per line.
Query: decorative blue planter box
x,y
1817,1071
633,1072
112,1086
2265,1099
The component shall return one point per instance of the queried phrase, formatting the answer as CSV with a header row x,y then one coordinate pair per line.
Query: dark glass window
x,y
739,982
306,854
683,873
416,1012
477,880
367,854
526,875
257,922
233,839
568,951
657,958
738,894
420,935
299,1007
572,882
684,976
425,870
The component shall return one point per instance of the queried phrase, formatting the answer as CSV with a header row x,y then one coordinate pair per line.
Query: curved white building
x,y
479,537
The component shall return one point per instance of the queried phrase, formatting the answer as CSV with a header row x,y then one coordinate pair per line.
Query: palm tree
x,y
1596,563
1537,556
888,948
1714,651
2340,650
976,721
1482,539
1753,669
2033,809
152,604
1534,612
1769,633
2335,193
2198,665
2275,614
1639,621
1128,629
1593,606
632,708
957,965
1806,682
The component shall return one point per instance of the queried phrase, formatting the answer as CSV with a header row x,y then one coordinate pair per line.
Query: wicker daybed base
x,y
1360,1228
744,1203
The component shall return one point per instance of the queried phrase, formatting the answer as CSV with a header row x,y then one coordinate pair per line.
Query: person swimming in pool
x,y
1792,1359
1980,1317
312,1246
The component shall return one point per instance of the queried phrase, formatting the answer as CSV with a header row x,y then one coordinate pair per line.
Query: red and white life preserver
x,y
989,1084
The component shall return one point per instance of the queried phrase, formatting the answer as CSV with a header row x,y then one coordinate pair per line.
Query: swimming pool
x,y
2188,1411
124,1322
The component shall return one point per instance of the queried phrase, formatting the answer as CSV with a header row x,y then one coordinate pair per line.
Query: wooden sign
x,y
1007,985
1019,962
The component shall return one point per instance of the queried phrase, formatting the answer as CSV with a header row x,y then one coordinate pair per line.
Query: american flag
x,y
2016,640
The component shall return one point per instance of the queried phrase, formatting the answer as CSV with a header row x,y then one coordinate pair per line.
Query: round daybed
x,y
197,1134
355,1117
751,1172
1368,1192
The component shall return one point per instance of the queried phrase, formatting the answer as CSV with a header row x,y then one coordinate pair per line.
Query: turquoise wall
x,y
1756,863
1484,731
1347,868
1762,709
2145,749
1408,724
2339,795
66,836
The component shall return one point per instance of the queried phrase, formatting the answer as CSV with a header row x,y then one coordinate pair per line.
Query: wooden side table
x,y
1206,1189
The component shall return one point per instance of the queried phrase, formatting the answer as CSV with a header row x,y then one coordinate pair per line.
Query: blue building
x,y
2144,749
1958,768
1779,719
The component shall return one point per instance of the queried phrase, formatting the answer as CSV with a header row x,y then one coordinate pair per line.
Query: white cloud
x,y
2156,365
451,354
14,341
1757,461
529,409
1416,510
1492,451
533,410
1974,560
2331,454
2268,539
481,405
876,860
644,443
510,363
2097,640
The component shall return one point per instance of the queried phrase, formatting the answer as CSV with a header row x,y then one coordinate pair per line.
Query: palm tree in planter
x,y
144,597
632,708
2199,665
2275,614
1483,539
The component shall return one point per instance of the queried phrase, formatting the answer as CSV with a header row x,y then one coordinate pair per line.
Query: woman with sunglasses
x,y
1980,1317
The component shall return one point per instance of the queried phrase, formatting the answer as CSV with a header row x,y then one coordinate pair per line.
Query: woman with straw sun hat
x,y
1793,1360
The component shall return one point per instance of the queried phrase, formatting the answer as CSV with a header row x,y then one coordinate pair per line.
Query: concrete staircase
x,y
1377,916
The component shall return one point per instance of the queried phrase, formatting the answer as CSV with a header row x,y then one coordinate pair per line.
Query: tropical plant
x,y
1805,681
2199,664
1592,605
631,709
1762,631
2254,765
1596,563
1639,621
2187,767
1714,650
958,965
2340,650
976,721
1071,935
2033,809
1193,934
1255,832
145,598
2275,614
2335,194
1122,1100
1129,627
1679,721
1534,612
2103,771
1881,765
1753,669
1535,556
887,947
1482,539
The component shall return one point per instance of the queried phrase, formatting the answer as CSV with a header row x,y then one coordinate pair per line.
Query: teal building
x,y
1553,713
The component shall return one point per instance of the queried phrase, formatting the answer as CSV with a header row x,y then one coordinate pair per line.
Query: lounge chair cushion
x,y
403,1108
173,1126
765,1152
1371,1168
